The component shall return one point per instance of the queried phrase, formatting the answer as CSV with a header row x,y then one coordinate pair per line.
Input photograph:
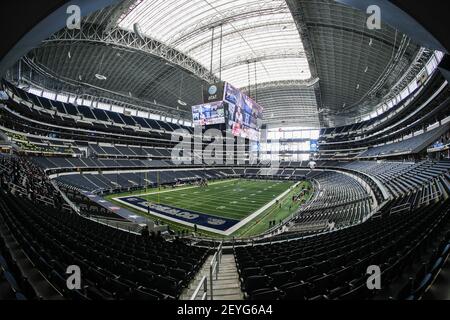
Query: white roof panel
x,y
254,32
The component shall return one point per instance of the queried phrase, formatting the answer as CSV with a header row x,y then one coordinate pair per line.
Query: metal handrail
x,y
429,198
203,283
214,269
406,207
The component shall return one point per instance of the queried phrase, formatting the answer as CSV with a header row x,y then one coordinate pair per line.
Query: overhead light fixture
x,y
69,55
100,77
182,103
137,30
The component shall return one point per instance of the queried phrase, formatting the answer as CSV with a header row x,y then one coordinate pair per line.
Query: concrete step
x,y
226,286
219,283
227,282
225,292
227,268
228,274
235,297
221,280
228,277
220,286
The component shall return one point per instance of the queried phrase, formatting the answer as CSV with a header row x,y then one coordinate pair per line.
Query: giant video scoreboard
x,y
225,104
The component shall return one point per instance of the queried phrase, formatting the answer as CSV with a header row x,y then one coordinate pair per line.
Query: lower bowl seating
x,y
334,265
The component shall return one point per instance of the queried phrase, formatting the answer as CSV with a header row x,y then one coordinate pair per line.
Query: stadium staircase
x,y
227,287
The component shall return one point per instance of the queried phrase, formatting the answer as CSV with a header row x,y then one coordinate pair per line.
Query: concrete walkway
x,y
227,287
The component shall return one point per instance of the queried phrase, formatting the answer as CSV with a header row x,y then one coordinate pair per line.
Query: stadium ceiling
x,y
357,67
288,103
309,63
239,34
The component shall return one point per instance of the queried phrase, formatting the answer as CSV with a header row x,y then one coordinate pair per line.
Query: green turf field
x,y
234,199
230,199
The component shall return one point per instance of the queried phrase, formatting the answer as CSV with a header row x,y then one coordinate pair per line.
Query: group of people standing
x,y
203,183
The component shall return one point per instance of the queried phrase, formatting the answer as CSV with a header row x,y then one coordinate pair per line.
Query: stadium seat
x,y
296,291
266,295
254,283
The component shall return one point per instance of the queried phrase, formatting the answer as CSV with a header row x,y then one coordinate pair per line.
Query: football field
x,y
232,199
223,207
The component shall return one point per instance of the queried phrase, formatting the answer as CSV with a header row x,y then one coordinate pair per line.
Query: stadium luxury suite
x,y
224,150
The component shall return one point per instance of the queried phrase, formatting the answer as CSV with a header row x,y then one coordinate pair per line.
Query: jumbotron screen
x,y
208,114
244,116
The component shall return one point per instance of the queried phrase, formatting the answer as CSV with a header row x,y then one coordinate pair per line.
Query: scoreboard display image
x,y
208,114
244,116
225,104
